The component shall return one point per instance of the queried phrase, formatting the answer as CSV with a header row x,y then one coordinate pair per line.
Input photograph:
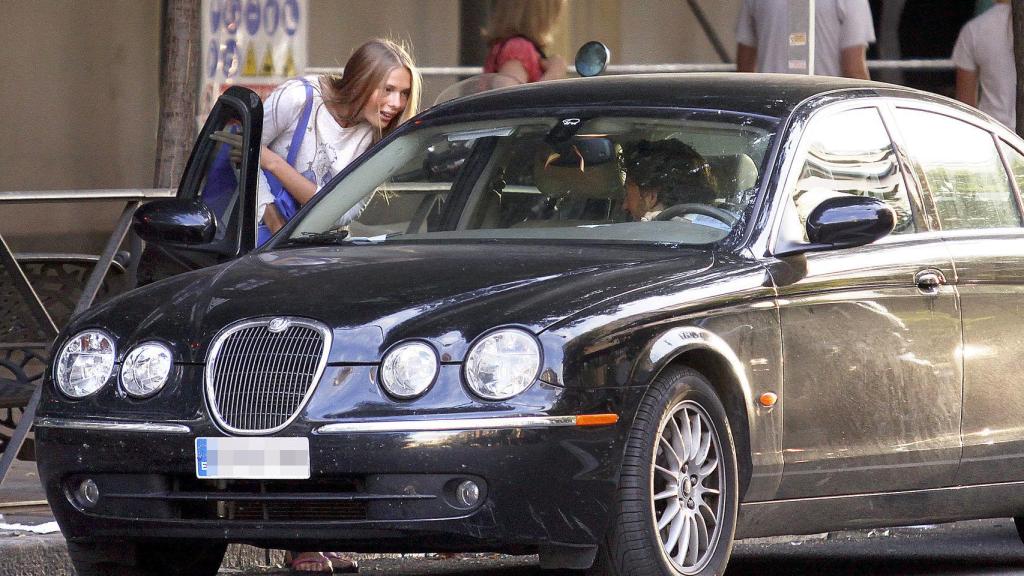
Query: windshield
x,y
690,179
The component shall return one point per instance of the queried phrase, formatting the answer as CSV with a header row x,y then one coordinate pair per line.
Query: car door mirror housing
x,y
844,222
175,221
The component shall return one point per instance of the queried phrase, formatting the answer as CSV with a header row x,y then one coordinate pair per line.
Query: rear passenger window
x,y
851,153
958,165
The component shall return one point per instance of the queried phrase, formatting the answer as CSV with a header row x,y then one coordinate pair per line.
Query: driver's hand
x,y
233,140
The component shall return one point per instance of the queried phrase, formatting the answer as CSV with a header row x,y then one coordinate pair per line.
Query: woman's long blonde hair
x,y
365,72
535,19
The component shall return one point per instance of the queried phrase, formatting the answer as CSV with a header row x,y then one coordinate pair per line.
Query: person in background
x,y
337,118
983,55
842,31
518,34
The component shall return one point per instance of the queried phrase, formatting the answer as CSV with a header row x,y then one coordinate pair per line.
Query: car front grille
x,y
260,373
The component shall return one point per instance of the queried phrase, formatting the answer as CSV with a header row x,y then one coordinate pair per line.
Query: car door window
x,y
957,163
850,153
1016,161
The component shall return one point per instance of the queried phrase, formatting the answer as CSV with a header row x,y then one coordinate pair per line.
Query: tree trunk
x,y
179,92
1018,58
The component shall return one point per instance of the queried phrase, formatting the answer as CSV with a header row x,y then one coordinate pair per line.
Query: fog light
x,y
467,493
88,493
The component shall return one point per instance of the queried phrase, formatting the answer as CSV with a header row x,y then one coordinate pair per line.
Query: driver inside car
x,y
665,173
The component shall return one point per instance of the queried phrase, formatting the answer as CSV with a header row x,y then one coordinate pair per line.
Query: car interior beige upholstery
x,y
734,173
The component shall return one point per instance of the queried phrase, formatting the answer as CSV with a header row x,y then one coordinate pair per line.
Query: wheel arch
x,y
707,353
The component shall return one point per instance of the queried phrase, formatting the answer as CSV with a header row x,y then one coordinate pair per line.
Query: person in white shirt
x,y
842,31
379,89
983,55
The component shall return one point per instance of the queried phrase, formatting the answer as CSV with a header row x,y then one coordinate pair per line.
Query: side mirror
x,y
592,58
845,222
175,221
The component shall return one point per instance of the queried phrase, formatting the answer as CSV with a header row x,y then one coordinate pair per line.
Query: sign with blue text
x,y
253,43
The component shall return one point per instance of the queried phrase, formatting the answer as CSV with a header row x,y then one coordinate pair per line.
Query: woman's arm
x,y
746,58
296,184
967,86
515,69
554,67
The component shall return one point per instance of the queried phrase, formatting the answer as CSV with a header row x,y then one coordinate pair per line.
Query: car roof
x,y
775,95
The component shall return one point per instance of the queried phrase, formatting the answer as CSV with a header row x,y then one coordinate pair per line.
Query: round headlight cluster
x,y
409,369
84,363
145,369
502,364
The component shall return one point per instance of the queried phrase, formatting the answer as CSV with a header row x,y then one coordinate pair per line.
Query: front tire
x,y
147,559
678,498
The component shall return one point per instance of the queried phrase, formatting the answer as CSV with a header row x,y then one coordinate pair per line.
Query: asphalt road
x,y
975,548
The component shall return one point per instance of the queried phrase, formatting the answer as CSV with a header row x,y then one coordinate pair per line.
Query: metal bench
x,y
67,284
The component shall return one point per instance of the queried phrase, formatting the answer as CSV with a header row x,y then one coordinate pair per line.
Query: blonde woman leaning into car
x,y
315,125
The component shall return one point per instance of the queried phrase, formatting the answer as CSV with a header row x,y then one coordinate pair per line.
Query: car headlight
x,y
145,369
409,369
84,363
502,364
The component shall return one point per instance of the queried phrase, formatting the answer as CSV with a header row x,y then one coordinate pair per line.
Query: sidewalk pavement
x,y
24,553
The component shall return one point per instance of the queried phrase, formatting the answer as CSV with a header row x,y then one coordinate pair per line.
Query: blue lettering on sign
x,y
214,58
252,17
229,59
291,16
232,14
271,17
201,469
215,8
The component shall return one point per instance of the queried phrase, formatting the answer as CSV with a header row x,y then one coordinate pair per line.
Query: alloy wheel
x,y
686,487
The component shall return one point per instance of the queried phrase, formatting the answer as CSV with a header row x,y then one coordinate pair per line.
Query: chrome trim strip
x,y
112,426
449,424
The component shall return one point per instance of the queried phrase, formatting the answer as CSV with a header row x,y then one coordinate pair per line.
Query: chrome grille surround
x,y
259,377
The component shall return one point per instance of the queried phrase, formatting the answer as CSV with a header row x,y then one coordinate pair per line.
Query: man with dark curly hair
x,y
664,173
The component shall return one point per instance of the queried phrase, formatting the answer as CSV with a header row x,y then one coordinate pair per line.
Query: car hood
x,y
374,296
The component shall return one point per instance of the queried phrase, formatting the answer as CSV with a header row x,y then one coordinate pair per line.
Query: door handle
x,y
929,281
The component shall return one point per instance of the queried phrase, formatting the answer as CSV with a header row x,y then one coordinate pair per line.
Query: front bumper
x,y
369,491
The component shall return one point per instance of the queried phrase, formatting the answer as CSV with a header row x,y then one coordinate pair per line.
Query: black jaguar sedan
x,y
619,322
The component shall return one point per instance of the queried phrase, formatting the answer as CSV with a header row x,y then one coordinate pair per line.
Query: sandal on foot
x,y
342,563
308,562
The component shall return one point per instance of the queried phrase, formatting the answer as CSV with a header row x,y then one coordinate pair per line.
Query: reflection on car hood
x,y
374,296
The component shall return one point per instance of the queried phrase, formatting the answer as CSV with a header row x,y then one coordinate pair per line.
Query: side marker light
x,y
596,419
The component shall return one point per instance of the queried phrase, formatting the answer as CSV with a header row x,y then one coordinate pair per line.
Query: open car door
x,y
213,217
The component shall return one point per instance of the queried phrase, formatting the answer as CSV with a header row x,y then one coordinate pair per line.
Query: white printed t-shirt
x,y
838,24
985,46
326,148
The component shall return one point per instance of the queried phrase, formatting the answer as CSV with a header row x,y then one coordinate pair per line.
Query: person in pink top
x,y
518,34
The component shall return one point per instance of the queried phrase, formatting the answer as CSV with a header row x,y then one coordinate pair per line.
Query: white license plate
x,y
253,458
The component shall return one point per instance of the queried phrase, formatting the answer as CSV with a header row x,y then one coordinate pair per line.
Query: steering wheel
x,y
678,210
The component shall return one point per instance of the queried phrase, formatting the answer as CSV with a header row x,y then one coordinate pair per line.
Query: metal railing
x,y
906,65
43,329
